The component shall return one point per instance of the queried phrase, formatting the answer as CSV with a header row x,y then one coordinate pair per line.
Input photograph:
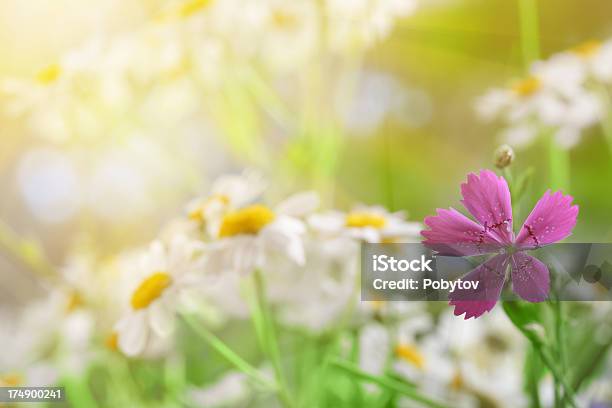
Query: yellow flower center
x,y
358,219
197,214
377,305
74,302
249,220
185,10
587,49
11,380
49,74
112,341
527,86
457,381
410,354
192,7
150,289
281,19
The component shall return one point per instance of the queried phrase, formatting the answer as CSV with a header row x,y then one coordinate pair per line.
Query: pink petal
x,y
452,233
530,277
551,220
487,198
475,302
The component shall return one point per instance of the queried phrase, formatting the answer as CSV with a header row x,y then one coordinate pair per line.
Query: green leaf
x,y
521,184
388,383
533,371
527,317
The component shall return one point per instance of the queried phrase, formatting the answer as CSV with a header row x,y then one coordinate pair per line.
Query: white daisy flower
x,y
246,237
289,33
57,325
374,348
367,223
557,96
489,354
361,23
227,193
596,58
166,273
38,374
420,356
327,285
233,389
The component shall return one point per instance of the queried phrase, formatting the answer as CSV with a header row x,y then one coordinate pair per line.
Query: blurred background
x,y
116,113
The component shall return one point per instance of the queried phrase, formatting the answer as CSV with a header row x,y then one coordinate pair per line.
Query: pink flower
x,y
487,197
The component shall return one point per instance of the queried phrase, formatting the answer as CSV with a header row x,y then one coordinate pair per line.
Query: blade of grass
x,y
387,382
231,356
270,341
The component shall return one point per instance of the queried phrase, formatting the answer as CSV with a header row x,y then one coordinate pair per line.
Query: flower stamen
x,y
410,354
49,74
11,380
249,220
150,289
527,86
587,48
75,300
360,219
112,341
197,214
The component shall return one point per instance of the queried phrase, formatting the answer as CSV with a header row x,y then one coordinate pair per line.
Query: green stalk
x,y
78,391
606,121
27,252
270,341
530,30
559,313
530,46
559,166
549,361
388,383
220,347
560,333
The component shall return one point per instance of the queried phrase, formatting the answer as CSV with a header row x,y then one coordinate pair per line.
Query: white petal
x,y
367,234
133,333
245,255
519,136
285,242
241,189
155,258
492,103
330,223
161,318
300,204
288,225
567,137
403,229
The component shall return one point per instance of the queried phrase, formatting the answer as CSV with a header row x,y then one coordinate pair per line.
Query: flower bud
x,y
503,156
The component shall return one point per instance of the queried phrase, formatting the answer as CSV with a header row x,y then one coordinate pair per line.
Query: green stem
x,y
530,30
388,171
269,336
559,166
560,335
549,361
530,46
606,121
27,252
220,347
388,383
79,392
